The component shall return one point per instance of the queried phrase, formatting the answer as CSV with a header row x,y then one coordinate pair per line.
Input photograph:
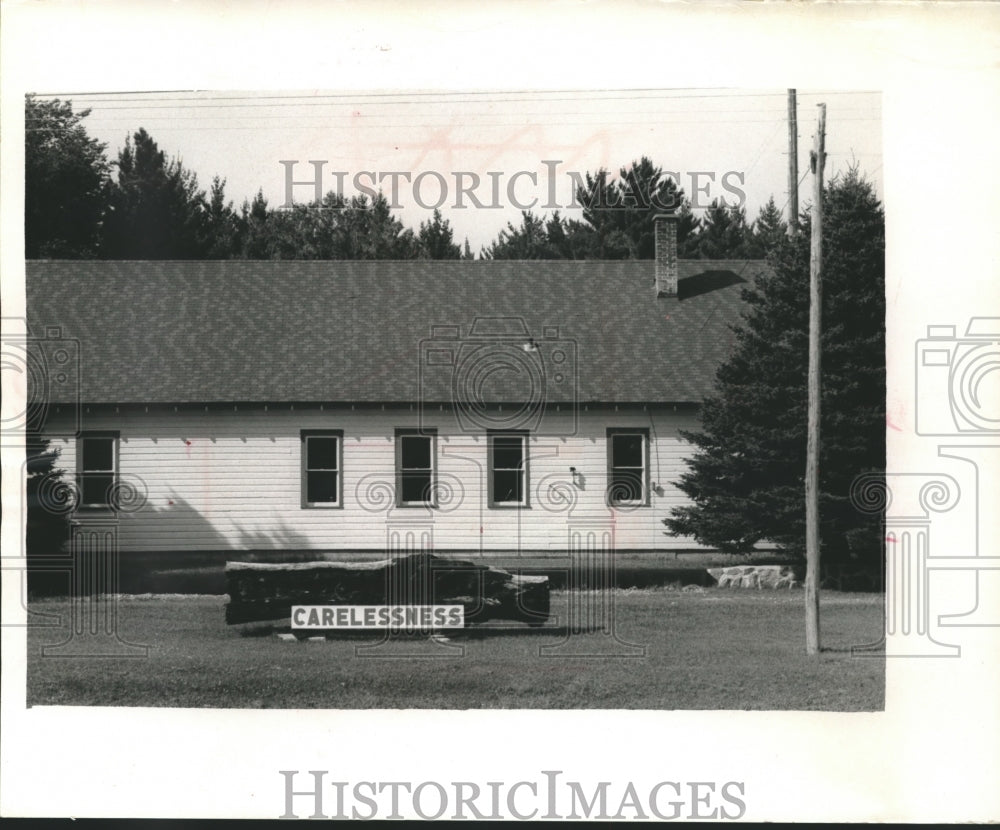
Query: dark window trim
x,y
115,437
303,469
492,503
431,435
644,432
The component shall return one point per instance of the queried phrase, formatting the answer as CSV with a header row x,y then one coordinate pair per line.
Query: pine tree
x,y
620,212
47,527
746,477
367,230
314,231
529,240
769,231
221,227
616,220
334,228
156,209
437,239
689,228
567,238
66,178
724,232
252,227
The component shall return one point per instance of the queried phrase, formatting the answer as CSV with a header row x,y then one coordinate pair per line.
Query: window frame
x,y
431,436
305,469
643,433
81,474
492,502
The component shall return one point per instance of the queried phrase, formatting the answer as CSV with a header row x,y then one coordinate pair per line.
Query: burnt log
x,y
261,591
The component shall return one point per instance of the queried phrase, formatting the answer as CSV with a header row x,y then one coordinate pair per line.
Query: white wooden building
x,y
345,407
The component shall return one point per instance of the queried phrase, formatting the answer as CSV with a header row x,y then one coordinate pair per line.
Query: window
x,y
97,468
628,465
508,455
321,481
415,467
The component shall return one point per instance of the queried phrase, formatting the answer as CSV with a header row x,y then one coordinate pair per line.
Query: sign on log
x,y
268,591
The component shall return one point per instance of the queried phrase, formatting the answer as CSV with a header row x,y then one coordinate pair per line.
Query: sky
x,y
723,143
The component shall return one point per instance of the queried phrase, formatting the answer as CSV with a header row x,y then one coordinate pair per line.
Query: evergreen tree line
x,y
80,205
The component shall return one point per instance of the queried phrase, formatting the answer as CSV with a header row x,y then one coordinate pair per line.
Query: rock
x,y
756,576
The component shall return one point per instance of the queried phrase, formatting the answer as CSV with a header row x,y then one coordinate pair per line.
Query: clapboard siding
x,y
223,479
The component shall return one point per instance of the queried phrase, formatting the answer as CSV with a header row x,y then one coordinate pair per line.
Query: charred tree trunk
x,y
264,591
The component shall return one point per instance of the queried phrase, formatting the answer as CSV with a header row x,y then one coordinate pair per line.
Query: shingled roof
x,y
381,331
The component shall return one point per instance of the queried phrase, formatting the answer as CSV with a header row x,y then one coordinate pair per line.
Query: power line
x,y
106,112
782,208
171,126
828,155
407,97
760,152
193,124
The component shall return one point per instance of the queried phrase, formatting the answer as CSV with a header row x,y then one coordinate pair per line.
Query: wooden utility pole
x,y
812,440
793,165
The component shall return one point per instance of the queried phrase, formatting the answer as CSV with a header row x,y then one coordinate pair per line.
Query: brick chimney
x,y
665,239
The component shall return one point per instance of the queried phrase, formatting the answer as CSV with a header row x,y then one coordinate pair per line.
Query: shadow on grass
x,y
859,650
477,632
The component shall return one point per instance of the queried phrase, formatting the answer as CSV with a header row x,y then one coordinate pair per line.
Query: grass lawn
x,y
704,649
